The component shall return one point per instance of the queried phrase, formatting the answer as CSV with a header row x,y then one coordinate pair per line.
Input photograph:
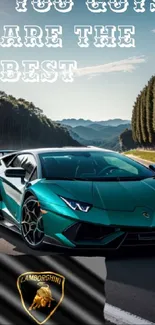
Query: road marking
x,y
120,317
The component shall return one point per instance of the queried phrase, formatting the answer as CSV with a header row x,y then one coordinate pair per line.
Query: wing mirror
x,y
15,173
152,167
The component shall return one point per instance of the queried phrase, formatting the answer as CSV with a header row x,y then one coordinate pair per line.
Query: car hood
x,y
118,196
76,190
124,196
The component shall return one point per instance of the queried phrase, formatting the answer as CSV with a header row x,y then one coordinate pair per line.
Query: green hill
x,y
102,136
23,125
103,133
85,132
126,140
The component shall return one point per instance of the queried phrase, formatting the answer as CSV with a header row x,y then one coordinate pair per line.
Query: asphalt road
x,y
130,282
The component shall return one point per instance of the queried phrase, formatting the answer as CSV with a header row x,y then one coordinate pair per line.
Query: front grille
x,y
140,238
93,232
137,229
82,231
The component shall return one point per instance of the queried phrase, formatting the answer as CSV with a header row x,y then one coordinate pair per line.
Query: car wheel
x,y
32,227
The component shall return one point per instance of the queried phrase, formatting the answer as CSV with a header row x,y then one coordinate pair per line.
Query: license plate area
x,y
146,236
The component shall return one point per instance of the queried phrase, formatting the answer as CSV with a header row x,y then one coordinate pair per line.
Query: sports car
x,y
83,197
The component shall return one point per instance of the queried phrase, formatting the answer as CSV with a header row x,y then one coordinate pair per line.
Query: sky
x,y
114,77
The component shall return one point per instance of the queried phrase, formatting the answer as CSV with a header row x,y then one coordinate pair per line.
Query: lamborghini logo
x,y
41,293
146,215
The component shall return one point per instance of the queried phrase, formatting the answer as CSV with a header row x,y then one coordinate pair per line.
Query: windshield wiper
x,y
115,179
98,179
126,179
67,179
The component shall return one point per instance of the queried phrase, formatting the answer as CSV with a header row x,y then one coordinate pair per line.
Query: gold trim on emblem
x,y
22,300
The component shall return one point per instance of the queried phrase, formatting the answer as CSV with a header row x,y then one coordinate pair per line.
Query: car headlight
x,y
75,205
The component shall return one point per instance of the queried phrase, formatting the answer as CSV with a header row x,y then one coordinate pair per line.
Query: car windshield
x,y
92,165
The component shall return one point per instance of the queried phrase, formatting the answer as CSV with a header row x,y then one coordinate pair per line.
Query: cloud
x,y
127,65
153,30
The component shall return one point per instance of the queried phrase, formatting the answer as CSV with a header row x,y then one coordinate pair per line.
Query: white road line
x,y
120,317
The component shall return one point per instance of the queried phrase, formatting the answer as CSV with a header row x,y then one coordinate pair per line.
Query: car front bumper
x,y
83,235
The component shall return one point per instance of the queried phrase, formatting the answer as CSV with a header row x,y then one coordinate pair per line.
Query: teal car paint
x,y
77,198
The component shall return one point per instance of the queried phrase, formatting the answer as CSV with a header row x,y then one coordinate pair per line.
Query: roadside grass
x,y
146,155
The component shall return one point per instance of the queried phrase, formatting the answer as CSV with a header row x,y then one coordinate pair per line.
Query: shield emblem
x,y
41,293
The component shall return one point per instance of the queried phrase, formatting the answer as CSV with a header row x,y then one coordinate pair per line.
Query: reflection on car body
x,y
77,198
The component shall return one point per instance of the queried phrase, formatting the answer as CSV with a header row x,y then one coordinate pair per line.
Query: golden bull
x,y
42,298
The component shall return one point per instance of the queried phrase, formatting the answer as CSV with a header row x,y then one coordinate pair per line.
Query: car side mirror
x,y
152,167
15,172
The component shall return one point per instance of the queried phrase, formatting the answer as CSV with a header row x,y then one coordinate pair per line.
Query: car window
x,y
15,163
6,160
117,162
92,165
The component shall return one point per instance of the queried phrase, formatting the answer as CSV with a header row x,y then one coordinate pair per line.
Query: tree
x,y
153,121
133,122
138,120
22,125
149,110
126,140
143,115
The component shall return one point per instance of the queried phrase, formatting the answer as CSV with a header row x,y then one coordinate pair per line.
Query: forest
x,y
142,134
23,125
143,116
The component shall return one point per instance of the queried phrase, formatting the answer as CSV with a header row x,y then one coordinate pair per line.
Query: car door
x,y
13,188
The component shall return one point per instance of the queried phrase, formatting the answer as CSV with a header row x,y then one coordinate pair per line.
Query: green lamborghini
x,y
77,198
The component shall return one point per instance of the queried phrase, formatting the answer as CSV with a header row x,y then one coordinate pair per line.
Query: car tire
x,y
32,228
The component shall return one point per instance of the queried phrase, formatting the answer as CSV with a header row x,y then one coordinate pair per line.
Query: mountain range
x,y
81,122
102,134
23,125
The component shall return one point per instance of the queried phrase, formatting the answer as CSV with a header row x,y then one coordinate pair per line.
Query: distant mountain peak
x,y
82,122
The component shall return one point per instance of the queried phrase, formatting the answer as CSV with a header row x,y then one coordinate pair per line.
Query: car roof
x,y
37,151
63,149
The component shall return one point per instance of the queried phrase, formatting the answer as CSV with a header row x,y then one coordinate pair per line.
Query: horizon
x,y
109,80
115,118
